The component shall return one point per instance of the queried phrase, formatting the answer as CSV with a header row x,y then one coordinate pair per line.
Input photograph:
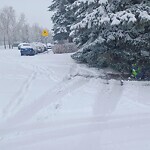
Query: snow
x,y
144,15
90,18
122,16
48,101
93,1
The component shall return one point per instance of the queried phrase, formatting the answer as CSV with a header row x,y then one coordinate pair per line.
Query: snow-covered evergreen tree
x,y
62,18
113,33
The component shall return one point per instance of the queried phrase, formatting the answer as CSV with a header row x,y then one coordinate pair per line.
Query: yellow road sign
x,y
45,33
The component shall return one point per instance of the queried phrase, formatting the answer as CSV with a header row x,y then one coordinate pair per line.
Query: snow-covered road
x,y
48,102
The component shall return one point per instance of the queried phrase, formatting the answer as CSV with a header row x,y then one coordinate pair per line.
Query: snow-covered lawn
x,y
46,103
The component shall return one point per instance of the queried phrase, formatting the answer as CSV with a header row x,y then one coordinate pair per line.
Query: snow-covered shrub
x,y
64,48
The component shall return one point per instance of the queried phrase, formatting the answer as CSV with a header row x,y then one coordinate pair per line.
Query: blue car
x,y
26,49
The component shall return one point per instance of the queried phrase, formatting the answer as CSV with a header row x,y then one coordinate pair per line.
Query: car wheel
x,y
34,53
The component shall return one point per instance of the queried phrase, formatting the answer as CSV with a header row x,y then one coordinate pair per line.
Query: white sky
x,y
34,10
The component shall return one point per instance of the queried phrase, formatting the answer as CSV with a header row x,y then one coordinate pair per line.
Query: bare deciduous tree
x,y
13,30
8,24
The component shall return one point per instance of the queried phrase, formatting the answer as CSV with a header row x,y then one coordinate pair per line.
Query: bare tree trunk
x,y
4,42
9,44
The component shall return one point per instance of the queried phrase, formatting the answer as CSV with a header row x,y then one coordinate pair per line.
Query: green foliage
x,y
62,19
125,27
109,33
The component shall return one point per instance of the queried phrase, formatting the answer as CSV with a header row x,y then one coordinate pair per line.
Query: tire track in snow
x,y
108,96
128,120
87,128
50,74
81,128
20,95
46,71
52,95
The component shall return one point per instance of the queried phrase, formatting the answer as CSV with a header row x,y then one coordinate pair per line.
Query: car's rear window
x,y
26,44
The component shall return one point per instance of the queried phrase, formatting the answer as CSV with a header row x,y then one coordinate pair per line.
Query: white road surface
x,y
48,102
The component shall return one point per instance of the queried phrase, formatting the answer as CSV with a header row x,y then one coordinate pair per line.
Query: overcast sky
x,y
34,10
